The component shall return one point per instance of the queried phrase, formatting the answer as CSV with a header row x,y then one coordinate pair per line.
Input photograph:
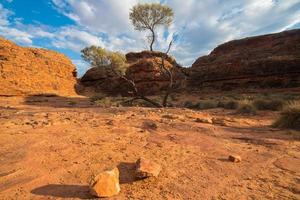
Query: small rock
x,y
105,184
234,158
149,125
147,168
207,120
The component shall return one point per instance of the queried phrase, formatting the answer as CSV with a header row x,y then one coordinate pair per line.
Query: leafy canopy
x,y
148,16
100,57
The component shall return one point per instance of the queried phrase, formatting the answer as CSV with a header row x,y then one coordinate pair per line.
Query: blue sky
x,y
68,26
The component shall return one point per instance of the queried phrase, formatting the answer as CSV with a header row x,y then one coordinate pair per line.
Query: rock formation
x,y
143,68
28,71
257,62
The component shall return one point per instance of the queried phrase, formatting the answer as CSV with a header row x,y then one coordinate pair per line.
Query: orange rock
x,y
147,168
29,71
105,184
234,158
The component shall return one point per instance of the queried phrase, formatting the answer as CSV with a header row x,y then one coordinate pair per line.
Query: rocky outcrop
x,y
145,69
257,62
101,80
142,67
29,71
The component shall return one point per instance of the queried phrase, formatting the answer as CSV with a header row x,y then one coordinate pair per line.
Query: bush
x,y
107,102
96,98
207,104
189,104
274,105
232,105
246,107
290,117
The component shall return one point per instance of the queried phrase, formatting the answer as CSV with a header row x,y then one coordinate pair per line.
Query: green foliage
x,y
96,98
290,116
274,105
100,57
149,16
246,107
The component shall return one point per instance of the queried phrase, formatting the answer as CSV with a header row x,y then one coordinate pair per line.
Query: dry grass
x,y
274,105
246,107
290,116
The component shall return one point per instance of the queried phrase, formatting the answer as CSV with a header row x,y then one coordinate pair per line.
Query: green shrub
x,y
246,107
96,98
290,116
274,105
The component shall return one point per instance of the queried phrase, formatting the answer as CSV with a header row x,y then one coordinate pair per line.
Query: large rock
x,y
106,184
258,62
27,71
101,80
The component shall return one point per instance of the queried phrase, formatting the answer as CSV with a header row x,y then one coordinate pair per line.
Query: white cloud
x,y
4,15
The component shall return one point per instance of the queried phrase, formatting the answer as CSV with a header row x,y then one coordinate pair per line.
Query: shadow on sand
x,y
47,100
63,191
127,176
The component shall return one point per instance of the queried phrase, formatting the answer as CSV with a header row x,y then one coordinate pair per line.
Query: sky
x,y
199,26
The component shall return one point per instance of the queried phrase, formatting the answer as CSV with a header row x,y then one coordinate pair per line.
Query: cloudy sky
x,y
68,26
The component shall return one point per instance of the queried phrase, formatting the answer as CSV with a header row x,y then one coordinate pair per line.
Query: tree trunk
x,y
153,39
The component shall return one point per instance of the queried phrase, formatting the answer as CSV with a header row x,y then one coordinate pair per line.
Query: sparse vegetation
x,y
290,116
274,105
246,107
230,104
96,98
72,103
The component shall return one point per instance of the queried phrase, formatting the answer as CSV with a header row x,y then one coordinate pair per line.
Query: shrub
x,y
96,98
246,107
228,104
274,105
189,104
207,104
107,102
290,117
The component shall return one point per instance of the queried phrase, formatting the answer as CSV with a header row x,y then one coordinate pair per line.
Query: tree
x,y
149,17
100,57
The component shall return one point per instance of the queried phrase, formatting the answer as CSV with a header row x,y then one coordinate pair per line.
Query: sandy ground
x,y
50,148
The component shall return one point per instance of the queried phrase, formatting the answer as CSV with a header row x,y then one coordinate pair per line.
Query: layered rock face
x,y
143,68
29,71
257,62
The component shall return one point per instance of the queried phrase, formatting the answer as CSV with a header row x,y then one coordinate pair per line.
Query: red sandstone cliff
x,y
258,62
27,71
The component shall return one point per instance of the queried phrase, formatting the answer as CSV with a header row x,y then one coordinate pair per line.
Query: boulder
x,y
147,168
268,61
105,184
30,71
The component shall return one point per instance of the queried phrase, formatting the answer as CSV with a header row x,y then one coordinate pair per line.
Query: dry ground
x,y
50,147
